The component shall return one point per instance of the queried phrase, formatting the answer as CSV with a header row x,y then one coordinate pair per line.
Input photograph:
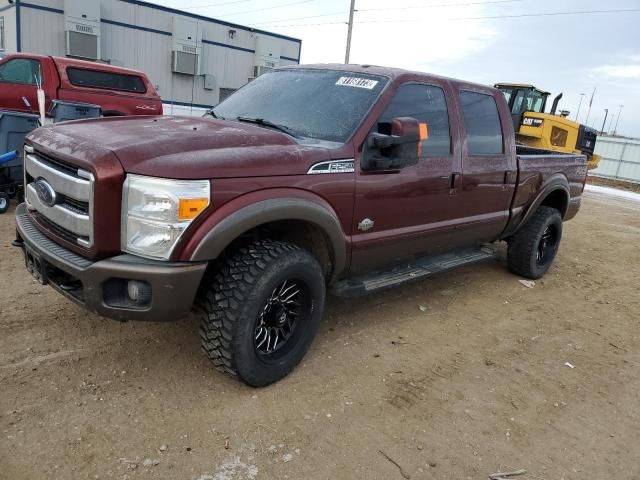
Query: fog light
x,y
139,292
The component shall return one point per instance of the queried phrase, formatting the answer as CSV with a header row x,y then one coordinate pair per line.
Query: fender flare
x,y
556,183
266,211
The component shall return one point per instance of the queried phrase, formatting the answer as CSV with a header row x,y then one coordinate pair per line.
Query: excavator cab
x,y
523,98
535,128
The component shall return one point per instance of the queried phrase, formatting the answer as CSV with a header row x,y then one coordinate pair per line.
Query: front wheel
x,y
4,202
534,247
262,310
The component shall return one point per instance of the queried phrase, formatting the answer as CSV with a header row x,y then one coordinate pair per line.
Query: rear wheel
x,y
4,202
534,247
261,311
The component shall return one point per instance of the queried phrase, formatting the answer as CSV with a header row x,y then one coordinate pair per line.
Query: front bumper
x,y
101,286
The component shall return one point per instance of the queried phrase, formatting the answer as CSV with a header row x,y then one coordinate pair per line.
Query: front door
x,y
404,212
18,78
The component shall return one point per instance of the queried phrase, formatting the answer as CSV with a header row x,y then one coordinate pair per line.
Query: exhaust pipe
x,y
555,104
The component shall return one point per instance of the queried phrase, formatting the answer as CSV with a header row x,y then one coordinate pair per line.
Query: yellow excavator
x,y
549,131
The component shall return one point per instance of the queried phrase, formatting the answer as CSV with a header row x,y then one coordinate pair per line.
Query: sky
x,y
484,41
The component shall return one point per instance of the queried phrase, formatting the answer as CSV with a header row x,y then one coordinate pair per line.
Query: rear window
x,y
81,77
482,122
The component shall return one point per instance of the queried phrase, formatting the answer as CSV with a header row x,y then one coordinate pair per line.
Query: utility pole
x,y
590,103
610,123
615,130
606,112
579,105
351,10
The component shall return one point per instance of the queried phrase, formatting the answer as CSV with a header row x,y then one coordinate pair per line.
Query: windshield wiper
x,y
211,113
268,123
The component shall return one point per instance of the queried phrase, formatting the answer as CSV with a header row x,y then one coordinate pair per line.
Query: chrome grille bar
x,y
63,182
73,187
66,218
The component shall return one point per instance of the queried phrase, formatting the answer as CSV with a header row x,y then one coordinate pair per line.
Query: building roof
x,y
205,18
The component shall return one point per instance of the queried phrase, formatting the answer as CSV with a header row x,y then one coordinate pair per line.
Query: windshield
x,y
319,104
524,100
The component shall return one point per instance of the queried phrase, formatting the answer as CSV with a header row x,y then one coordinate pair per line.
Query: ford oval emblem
x,y
45,192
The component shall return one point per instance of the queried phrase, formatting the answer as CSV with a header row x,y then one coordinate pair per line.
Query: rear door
x,y
488,169
18,79
399,213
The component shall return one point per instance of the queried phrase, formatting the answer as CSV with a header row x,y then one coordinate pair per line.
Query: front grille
x,y
75,205
56,229
62,201
58,164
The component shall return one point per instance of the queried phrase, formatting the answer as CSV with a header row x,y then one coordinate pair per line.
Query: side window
x,y
517,103
20,70
482,123
81,77
428,105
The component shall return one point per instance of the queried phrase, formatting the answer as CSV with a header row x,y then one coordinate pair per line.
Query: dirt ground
x,y
610,182
487,376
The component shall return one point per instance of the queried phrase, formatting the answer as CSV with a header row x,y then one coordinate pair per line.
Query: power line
x,y
269,8
491,17
303,18
440,5
215,4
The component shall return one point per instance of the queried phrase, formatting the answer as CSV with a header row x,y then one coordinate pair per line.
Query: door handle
x,y
507,179
455,180
455,183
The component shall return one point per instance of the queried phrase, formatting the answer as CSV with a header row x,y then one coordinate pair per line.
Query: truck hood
x,y
183,147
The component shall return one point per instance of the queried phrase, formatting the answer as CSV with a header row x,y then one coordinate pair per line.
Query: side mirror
x,y
394,151
403,130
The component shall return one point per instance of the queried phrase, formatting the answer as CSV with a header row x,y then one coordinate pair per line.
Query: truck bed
x,y
539,168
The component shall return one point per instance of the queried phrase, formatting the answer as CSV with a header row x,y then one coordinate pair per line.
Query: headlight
x,y
157,211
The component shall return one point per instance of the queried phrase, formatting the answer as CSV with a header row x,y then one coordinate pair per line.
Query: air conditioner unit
x,y
267,56
260,69
187,46
185,62
82,28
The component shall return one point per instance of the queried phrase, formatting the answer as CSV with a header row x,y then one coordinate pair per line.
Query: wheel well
x,y
304,234
557,199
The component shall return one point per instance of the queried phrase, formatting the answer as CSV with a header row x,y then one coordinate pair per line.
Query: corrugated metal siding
x,y
42,32
620,158
150,51
9,29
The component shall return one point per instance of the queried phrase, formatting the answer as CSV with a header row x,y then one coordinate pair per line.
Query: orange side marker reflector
x,y
190,207
424,131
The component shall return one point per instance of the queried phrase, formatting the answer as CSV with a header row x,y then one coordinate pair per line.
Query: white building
x,y
620,158
192,59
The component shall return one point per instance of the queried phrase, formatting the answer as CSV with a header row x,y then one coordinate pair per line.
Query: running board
x,y
418,269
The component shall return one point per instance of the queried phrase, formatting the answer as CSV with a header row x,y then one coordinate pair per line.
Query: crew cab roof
x,y
389,72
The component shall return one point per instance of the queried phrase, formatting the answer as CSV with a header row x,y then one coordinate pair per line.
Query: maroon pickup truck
x,y
311,178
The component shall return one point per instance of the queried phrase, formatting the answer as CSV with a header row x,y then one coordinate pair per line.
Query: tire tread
x,y
235,277
523,245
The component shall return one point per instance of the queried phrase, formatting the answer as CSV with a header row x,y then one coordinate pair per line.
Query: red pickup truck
x,y
311,178
118,91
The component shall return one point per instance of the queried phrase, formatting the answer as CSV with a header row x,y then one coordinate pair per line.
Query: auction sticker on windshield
x,y
357,82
